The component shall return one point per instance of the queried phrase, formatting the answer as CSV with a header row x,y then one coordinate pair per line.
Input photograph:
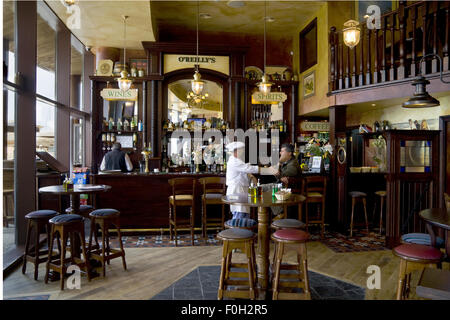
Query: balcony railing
x,y
392,52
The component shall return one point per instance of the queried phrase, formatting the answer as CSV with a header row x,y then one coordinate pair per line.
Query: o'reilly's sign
x,y
188,59
268,98
174,62
118,94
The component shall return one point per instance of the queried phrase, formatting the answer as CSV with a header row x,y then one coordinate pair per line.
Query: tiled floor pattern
x,y
202,284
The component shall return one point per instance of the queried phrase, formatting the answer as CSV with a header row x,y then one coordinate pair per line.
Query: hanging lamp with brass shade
x,y
351,33
197,84
264,85
124,82
421,98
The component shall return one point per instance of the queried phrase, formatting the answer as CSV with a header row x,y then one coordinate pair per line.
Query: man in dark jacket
x,y
288,168
116,159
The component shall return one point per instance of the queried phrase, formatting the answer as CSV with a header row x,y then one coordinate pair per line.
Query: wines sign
x,y
118,94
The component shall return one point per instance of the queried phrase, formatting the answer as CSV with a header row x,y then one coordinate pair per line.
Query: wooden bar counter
x,y
143,198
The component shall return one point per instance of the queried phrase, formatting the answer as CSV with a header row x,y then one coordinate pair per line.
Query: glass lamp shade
x,y
421,98
351,33
123,81
265,85
197,84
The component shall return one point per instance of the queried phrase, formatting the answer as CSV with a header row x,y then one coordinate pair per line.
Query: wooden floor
x,y
150,270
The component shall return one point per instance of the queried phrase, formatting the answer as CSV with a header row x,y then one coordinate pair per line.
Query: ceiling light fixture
x,y
265,85
421,98
351,33
197,84
123,81
205,15
236,3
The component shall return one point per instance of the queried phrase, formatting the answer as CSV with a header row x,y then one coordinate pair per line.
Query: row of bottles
x,y
108,140
125,125
219,124
262,112
267,125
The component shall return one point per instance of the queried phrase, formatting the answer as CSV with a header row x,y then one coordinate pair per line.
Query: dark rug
x,y
361,241
202,284
39,297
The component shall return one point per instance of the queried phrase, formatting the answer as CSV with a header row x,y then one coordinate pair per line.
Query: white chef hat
x,y
235,145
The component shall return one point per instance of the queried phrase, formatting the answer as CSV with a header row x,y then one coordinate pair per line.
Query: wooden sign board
x,y
314,126
269,98
118,94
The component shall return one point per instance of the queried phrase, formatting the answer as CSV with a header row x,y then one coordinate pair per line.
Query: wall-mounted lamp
x,y
421,98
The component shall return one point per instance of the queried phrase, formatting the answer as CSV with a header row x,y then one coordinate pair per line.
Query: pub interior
x,y
256,150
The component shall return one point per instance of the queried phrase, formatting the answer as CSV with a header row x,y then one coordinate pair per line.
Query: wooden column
x,y
402,16
413,44
293,111
383,53
434,61
25,125
361,59
237,104
338,178
333,64
89,69
445,49
154,115
144,115
392,66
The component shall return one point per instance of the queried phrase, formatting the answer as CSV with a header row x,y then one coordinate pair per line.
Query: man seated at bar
x,y
116,159
237,180
288,168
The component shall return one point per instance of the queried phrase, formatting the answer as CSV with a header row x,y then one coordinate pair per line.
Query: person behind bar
x,y
116,159
288,168
237,180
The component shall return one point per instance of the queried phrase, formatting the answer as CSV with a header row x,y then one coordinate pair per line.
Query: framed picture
x,y
308,46
309,85
139,64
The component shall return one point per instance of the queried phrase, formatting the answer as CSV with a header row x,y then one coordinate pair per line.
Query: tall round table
x,y
75,192
439,218
75,199
263,250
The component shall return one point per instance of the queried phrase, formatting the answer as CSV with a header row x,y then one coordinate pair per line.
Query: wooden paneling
x,y
142,199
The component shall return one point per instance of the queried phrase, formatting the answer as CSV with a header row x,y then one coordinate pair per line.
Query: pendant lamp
x,y
351,33
197,84
265,85
123,81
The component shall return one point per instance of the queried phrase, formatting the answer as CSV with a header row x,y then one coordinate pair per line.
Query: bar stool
x,y
382,195
315,188
413,257
242,239
213,190
67,225
37,220
83,211
285,224
358,196
105,218
297,239
183,190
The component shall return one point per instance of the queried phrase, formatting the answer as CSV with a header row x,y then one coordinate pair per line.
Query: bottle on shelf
x,y
119,125
126,125
132,125
135,139
111,124
140,125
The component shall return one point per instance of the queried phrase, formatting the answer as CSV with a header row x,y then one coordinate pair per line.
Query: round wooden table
x,y
262,253
439,218
75,193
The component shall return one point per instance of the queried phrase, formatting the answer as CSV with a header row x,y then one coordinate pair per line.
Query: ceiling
x,y
102,23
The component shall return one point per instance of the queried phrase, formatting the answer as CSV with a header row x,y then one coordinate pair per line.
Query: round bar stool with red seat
x,y
106,218
358,196
296,239
237,238
413,257
285,224
37,220
382,195
67,226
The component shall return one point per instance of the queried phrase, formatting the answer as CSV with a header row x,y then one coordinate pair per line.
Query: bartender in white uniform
x,y
237,181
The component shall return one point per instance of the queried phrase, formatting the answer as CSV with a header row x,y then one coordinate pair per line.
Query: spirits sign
x,y
118,94
269,98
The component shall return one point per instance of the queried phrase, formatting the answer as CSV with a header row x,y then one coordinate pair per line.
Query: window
x,y
45,85
77,142
308,46
45,127
76,74
9,60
